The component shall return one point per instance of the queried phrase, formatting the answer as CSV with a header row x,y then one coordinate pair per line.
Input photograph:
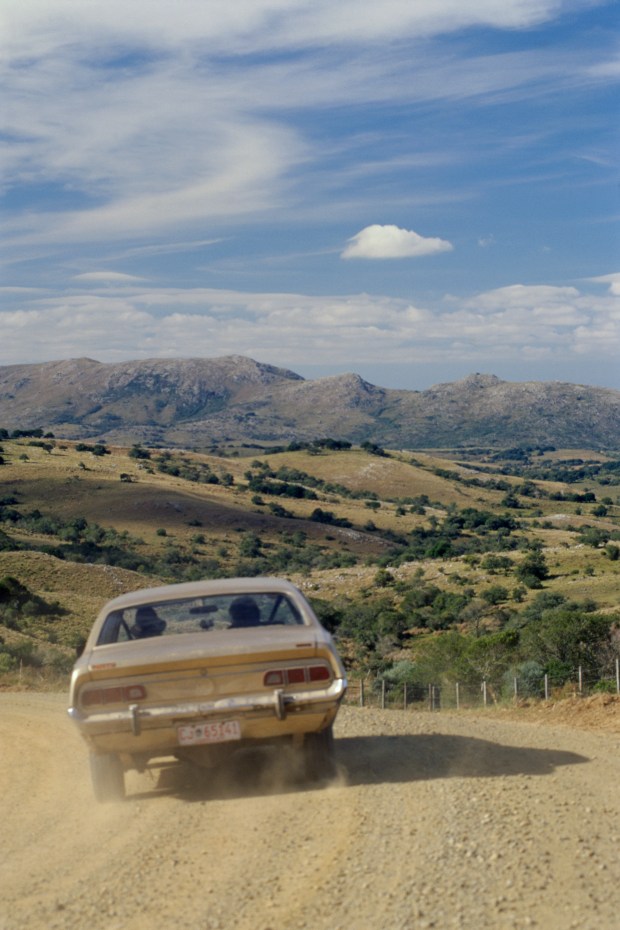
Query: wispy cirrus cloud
x,y
139,137
148,121
265,24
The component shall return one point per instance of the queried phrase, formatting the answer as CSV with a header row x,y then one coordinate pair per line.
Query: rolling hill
x,y
394,548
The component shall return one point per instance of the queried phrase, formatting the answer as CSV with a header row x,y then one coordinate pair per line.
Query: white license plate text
x,y
219,731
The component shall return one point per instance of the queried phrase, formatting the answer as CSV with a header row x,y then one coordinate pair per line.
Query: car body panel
x,y
140,698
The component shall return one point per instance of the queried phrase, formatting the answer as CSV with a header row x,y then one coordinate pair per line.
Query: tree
x,y
250,546
613,552
497,563
533,570
495,594
567,637
593,536
438,657
137,452
488,658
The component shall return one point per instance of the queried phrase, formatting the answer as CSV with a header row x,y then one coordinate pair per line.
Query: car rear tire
x,y
320,762
107,776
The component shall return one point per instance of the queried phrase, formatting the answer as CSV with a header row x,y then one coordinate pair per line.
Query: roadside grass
x,y
35,679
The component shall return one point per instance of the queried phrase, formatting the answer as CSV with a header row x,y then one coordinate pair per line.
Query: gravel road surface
x,y
445,821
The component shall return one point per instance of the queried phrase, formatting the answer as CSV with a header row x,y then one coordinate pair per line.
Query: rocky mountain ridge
x,y
202,402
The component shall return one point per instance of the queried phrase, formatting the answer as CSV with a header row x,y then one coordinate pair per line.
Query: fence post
x,y
361,692
516,685
458,701
617,676
383,694
431,697
405,696
580,672
546,687
484,693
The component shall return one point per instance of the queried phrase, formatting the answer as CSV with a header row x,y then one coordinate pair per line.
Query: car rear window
x,y
199,614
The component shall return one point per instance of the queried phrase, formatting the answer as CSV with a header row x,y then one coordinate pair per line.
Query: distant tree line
x,y
36,433
179,466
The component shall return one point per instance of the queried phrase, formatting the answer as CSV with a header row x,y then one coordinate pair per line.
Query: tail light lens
x,y
298,675
121,695
319,673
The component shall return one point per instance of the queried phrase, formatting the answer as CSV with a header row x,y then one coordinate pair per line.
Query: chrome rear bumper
x,y
280,702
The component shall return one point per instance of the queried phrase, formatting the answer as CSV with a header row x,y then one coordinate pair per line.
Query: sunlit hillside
x,y
81,523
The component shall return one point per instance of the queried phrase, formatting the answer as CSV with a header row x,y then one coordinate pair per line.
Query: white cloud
x,y
21,291
263,24
612,279
543,323
112,277
192,127
526,297
153,127
237,169
376,242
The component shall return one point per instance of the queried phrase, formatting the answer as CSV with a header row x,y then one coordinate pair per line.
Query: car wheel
x,y
319,754
107,776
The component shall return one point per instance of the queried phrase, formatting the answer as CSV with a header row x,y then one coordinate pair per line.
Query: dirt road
x,y
443,821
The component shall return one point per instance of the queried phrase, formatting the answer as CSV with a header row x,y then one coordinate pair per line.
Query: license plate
x,y
221,731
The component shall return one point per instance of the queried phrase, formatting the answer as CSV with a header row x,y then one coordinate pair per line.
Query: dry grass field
x,y
163,518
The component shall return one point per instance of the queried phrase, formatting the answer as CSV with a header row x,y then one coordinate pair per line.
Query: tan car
x,y
196,671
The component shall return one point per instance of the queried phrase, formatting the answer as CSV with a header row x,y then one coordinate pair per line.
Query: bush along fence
x,y
386,694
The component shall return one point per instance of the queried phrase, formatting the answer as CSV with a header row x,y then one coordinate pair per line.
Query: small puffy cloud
x,y
377,242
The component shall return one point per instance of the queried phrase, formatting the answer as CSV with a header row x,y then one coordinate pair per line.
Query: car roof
x,y
190,589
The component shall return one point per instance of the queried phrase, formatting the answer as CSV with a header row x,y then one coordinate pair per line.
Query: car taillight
x,y
296,676
126,694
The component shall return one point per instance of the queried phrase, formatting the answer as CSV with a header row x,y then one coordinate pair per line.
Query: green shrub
x,y
605,686
7,663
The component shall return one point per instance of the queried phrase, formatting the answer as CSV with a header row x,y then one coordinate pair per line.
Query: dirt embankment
x,y
442,821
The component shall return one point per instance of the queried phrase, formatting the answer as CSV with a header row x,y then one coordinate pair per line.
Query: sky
x,y
411,190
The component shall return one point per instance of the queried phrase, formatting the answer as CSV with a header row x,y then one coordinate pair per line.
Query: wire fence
x,y
455,695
